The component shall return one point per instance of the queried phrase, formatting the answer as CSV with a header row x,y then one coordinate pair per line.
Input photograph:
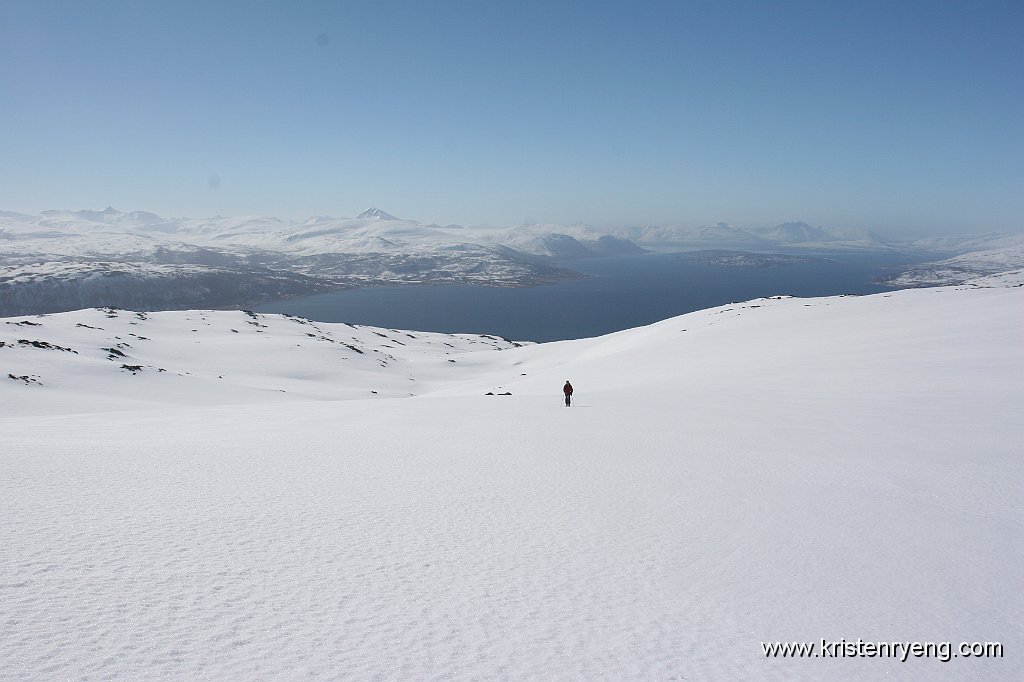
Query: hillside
x,y
109,359
996,256
776,470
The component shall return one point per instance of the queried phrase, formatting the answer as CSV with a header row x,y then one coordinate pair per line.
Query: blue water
x,y
620,293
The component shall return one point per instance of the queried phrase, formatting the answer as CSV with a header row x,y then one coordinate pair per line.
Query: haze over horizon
x,y
901,118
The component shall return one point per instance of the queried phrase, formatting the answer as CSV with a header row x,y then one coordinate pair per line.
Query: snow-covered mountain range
x,y
65,260
992,256
213,495
792,236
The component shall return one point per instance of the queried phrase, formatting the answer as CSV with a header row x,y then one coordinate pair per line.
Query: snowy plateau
x,y
223,495
69,260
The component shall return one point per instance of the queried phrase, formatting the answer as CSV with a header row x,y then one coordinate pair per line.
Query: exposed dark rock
x,y
45,346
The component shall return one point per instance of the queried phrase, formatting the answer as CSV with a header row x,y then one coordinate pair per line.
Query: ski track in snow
x,y
785,470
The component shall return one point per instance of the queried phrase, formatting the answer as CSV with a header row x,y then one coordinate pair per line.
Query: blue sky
x,y
903,117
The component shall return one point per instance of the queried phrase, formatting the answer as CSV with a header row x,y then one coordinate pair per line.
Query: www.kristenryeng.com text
x,y
859,648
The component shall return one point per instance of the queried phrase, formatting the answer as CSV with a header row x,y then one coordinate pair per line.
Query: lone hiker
x,y
567,390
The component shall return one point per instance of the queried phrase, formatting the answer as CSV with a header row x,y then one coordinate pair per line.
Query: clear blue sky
x,y
905,117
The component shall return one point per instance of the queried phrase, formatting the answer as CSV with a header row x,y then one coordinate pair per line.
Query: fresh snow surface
x,y
776,470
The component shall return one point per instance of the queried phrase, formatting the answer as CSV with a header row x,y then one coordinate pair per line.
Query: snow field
x,y
215,357
782,470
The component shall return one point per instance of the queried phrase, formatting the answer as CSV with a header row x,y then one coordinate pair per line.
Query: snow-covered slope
x,y
104,359
776,470
376,214
1002,254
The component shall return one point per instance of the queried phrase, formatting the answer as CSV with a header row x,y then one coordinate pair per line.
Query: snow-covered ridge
x,y
375,214
87,358
1002,255
242,356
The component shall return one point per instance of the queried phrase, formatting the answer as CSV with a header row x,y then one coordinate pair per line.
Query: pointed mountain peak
x,y
375,213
